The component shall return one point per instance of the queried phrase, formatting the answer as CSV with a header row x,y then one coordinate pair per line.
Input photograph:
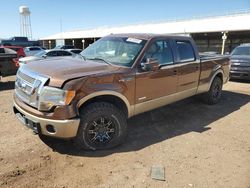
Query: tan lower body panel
x,y
162,101
63,128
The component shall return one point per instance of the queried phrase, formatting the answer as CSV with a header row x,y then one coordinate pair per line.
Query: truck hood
x,y
61,69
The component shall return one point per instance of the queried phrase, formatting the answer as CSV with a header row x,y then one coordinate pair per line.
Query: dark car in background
x,y
7,62
18,41
240,62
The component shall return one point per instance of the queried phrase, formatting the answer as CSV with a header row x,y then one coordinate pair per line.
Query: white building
x,y
206,31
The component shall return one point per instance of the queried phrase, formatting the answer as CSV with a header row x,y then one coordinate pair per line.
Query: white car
x,y
44,55
32,50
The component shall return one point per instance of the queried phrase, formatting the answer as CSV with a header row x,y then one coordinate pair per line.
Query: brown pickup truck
x,y
89,98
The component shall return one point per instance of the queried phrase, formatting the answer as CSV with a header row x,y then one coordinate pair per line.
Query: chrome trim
x,y
126,79
142,98
28,85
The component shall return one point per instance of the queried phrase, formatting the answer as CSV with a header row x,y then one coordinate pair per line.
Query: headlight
x,y
50,97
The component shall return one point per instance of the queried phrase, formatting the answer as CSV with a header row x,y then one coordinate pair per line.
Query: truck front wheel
x,y
102,126
214,94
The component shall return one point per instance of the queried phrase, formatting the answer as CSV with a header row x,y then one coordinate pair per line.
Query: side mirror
x,y
44,56
150,65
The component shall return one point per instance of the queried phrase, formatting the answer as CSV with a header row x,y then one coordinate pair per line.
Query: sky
x,y
51,16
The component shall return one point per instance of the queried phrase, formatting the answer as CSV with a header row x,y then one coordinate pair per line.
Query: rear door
x,y
188,66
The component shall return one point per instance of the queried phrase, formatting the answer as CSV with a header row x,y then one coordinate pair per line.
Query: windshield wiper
x,y
100,59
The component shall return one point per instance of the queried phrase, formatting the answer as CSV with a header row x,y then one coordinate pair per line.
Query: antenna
x,y
25,23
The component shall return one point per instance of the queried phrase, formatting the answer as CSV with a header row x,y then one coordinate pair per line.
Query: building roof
x,y
232,22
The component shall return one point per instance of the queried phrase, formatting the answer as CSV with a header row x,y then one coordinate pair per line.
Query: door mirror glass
x,y
150,65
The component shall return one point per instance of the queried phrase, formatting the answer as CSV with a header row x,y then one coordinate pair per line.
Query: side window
x,y
161,51
34,49
185,51
64,53
52,53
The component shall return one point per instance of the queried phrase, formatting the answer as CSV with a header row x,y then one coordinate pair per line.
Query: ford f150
x,y
90,98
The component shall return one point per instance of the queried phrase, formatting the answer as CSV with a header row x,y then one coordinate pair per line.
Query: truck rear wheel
x,y
214,94
102,126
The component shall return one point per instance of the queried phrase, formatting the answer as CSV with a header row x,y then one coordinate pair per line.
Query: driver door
x,y
154,87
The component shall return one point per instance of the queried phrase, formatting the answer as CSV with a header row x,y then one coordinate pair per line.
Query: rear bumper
x,y
240,75
61,128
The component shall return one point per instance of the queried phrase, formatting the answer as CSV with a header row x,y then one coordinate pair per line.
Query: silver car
x,y
32,50
44,55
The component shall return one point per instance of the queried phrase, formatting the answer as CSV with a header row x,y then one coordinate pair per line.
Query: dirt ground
x,y
199,146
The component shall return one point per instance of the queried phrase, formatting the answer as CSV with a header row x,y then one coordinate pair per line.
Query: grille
x,y
26,77
28,86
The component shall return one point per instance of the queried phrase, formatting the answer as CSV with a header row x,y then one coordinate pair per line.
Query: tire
x,y
102,126
214,94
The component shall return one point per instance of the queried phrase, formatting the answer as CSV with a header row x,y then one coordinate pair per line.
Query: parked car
x,y
240,62
76,51
32,50
119,76
7,62
64,47
18,41
44,55
18,49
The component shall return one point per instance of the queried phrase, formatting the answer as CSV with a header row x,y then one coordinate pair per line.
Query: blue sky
x,y
83,14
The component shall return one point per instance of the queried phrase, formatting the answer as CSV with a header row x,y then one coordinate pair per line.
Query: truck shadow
x,y
9,85
189,115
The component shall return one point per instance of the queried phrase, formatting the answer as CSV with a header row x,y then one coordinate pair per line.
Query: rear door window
x,y
185,51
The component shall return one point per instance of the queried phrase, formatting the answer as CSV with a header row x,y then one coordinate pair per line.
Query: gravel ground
x,y
198,145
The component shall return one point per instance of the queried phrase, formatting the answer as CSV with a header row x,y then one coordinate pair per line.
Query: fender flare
x,y
214,75
106,92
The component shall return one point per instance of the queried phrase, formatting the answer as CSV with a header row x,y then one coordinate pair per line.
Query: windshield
x,y
115,50
40,54
241,51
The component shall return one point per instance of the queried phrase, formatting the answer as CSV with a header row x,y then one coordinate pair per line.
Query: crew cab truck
x,y
89,98
18,41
